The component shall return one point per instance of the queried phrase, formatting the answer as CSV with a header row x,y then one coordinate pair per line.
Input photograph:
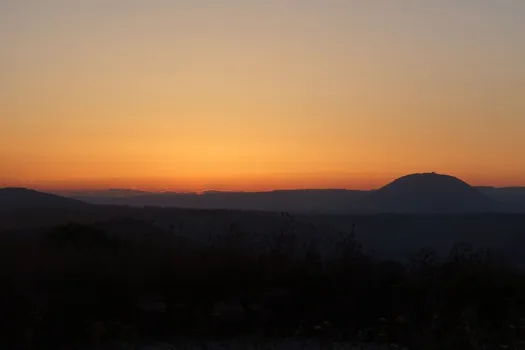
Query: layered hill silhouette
x,y
109,193
415,193
425,193
430,193
13,198
309,200
512,195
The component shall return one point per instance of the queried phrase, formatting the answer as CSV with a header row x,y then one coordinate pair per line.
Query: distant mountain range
x,y
282,200
513,195
109,193
415,193
427,193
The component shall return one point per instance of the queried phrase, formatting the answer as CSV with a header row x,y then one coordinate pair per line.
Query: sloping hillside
x,y
427,193
23,198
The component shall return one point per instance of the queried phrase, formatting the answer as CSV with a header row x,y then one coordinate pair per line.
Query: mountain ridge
x,y
339,200
413,193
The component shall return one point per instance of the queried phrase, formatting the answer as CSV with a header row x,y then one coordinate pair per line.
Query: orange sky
x,y
259,95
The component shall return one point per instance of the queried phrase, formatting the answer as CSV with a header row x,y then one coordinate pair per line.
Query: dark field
x,y
96,275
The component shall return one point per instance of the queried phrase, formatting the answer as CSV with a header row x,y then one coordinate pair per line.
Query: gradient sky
x,y
254,95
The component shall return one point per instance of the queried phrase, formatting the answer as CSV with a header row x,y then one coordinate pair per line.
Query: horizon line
x,y
101,190
34,185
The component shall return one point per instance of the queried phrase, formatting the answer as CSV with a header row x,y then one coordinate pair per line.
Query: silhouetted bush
x,y
78,284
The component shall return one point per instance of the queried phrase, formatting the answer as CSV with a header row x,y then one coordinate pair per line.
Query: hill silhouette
x,y
430,193
514,196
14,198
94,194
308,200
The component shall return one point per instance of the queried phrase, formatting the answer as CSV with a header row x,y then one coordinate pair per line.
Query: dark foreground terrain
x,y
104,275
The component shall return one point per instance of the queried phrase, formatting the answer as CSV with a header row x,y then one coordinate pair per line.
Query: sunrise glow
x,y
245,95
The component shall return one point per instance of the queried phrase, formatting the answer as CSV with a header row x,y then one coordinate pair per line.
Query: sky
x,y
258,95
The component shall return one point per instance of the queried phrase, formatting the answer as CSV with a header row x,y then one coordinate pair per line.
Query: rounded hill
x,y
428,193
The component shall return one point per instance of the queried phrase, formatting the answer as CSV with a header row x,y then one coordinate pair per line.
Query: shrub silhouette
x,y
80,236
78,284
